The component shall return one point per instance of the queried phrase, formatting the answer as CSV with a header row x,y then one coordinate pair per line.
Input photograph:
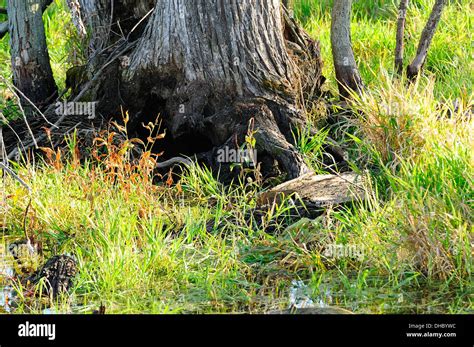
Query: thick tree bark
x,y
32,73
210,69
400,40
108,26
107,21
347,73
230,50
4,25
425,41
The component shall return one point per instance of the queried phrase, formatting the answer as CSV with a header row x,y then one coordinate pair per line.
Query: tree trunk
x,y
32,73
400,41
215,52
347,73
211,70
425,41
107,21
4,25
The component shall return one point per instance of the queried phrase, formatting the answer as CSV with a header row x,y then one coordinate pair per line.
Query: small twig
x,y
6,155
140,22
15,90
26,121
3,152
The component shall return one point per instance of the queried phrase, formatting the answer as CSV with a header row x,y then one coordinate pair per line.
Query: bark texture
x,y
347,73
32,73
4,25
107,21
400,40
214,51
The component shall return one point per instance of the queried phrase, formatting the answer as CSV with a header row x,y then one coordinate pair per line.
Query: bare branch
x,y
15,90
425,41
400,45
3,152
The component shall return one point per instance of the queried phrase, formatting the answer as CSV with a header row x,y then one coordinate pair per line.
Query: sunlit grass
x,y
450,59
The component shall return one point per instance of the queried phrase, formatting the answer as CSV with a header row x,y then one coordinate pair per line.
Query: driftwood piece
x,y
319,190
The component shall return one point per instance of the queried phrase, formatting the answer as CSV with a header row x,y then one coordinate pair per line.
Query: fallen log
x,y
318,190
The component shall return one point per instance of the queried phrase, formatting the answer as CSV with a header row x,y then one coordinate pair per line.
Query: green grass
x,y
154,248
